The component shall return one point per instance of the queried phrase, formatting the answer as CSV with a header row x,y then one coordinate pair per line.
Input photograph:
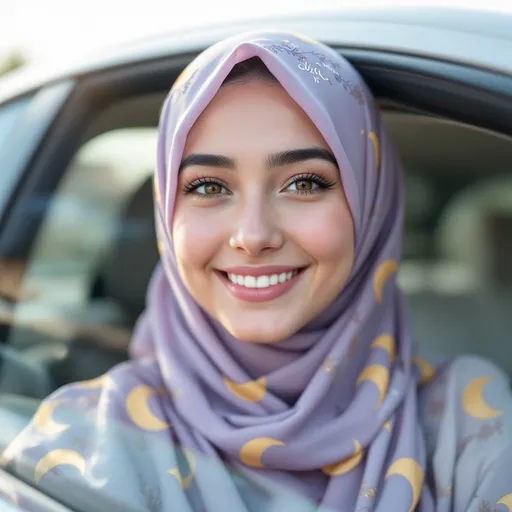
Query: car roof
x,y
473,37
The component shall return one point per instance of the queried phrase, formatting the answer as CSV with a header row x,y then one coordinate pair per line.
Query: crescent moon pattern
x,y
191,69
252,391
185,481
186,73
58,458
160,246
252,451
413,473
428,372
385,342
384,270
94,383
507,501
138,409
346,465
379,375
376,146
44,421
387,426
473,401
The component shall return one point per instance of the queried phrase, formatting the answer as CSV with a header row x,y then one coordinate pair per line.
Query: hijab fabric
x,y
328,419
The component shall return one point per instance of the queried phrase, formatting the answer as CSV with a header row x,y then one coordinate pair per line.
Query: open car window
x,y
10,113
65,274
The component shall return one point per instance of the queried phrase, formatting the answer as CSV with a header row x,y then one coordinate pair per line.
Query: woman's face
x,y
262,232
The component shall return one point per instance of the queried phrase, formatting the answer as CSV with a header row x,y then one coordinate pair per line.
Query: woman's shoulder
x,y
119,378
466,415
81,419
471,377
467,408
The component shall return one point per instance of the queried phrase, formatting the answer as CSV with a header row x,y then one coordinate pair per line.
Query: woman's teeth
x,y
262,281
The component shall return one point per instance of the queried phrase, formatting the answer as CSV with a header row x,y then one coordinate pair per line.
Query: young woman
x,y
274,367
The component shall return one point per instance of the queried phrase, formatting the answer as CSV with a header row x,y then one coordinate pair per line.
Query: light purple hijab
x,y
342,416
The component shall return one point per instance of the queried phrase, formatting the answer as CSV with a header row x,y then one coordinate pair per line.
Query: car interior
x,y
84,282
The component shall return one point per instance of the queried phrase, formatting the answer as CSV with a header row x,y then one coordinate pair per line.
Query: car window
x,y
9,115
65,266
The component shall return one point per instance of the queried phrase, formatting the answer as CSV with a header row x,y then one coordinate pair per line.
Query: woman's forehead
x,y
252,116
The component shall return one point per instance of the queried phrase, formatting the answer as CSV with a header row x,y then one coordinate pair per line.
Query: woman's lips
x,y
271,289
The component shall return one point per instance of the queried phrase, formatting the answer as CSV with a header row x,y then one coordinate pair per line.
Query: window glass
x,y
9,115
11,271
76,236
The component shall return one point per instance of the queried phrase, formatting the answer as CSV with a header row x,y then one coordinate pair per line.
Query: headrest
x,y
133,257
476,229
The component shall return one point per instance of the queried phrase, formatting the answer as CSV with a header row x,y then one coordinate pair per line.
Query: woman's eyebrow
x,y
288,157
293,156
206,160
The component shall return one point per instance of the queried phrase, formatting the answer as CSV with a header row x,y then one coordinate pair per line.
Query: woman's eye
x,y
302,185
210,189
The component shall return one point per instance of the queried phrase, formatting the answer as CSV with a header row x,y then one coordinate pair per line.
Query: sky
x,y
53,29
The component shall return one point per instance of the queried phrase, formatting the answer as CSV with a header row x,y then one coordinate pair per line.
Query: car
x,y
77,150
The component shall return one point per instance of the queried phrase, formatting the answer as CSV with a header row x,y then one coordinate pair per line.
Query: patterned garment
x,y
345,415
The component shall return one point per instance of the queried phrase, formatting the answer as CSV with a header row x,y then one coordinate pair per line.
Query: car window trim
x,y
26,136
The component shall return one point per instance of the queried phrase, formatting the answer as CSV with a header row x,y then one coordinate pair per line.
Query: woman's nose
x,y
257,230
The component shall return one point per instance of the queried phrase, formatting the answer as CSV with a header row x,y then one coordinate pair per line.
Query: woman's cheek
x,y
197,236
325,232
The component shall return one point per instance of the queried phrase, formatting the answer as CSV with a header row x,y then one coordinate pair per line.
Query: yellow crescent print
x,y
384,270
379,375
186,73
252,391
473,401
94,383
44,422
347,465
507,501
428,372
185,481
193,67
387,426
376,146
413,473
252,451
59,458
139,411
387,343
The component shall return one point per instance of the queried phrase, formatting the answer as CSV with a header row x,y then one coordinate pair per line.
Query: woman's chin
x,y
260,330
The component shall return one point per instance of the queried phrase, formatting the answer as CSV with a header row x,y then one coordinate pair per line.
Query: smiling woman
x,y
277,225
274,367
